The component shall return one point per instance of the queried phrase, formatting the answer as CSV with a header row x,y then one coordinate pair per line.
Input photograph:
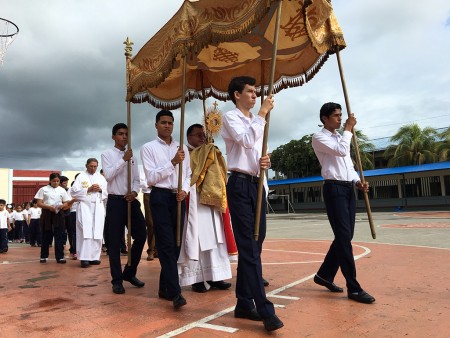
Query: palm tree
x,y
444,145
412,145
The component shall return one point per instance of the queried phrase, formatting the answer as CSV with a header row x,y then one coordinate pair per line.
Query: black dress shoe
x,y
61,261
361,296
118,288
134,281
266,283
251,314
85,264
221,285
179,301
96,262
329,285
272,323
199,287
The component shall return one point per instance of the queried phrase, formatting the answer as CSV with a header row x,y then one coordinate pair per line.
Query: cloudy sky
x,y
62,85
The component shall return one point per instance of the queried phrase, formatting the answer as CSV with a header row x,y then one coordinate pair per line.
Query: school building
x,y
425,186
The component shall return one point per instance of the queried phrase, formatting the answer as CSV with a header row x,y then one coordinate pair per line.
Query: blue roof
x,y
369,173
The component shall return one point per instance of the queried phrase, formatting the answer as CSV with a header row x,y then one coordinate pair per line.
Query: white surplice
x,y
90,215
204,254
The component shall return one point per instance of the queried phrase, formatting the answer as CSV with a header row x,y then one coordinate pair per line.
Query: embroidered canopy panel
x,y
223,39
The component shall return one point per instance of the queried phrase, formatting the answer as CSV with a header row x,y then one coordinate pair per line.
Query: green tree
x,y
365,151
443,148
295,159
412,145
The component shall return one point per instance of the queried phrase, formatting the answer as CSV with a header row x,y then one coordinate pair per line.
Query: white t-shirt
x,y
52,196
35,213
4,219
18,215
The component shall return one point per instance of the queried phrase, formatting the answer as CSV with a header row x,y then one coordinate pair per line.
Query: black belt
x,y
116,196
344,183
253,179
166,190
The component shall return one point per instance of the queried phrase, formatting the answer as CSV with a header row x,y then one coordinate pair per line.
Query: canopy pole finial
x,y
128,49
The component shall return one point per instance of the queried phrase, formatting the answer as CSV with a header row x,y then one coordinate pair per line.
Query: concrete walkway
x,y
405,269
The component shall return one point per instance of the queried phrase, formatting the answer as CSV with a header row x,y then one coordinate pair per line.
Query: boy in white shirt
x,y
4,227
35,231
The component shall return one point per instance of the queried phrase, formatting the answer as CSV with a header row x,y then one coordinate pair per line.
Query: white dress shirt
x,y
159,172
4,219
115,170
243,138
52,196
333,153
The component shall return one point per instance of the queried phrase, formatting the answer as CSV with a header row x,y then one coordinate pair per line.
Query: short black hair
x,y
328,109
91,159
164,113
118,126
53,176
238,84
63,178
191,128
2,201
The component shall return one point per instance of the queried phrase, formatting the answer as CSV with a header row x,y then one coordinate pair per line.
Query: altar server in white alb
x,y
90,190
204,262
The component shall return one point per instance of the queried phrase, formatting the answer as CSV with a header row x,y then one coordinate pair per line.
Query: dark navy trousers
x,y
164,206
117,211
340,203
242,196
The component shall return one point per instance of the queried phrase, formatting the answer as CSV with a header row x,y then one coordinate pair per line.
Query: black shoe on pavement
x,y
199,287
272,323
179,301
61,261
85,264
221,285
361,296
251,314
134,281
329,285
266,283
96,262
43,260
118,288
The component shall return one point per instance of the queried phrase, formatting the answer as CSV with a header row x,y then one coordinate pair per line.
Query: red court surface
x,y
410,284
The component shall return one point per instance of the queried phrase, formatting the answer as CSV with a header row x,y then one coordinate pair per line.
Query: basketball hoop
x,y
8,32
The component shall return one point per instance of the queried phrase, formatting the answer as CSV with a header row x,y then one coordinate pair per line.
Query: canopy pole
x,y
128,54
208,138
266,127
355,144
180,165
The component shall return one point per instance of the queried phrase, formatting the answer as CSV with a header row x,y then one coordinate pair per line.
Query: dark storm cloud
x,y
62,86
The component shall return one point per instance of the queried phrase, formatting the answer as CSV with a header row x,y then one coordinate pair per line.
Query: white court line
x,y
300,252
285,297
201,322
218,327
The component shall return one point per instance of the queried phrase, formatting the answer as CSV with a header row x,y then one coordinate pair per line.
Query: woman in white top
x,y
52,199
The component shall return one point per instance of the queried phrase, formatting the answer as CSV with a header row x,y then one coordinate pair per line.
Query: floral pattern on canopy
x,y
224,39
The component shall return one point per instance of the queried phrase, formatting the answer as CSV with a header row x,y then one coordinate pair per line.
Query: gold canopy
x,y
224,39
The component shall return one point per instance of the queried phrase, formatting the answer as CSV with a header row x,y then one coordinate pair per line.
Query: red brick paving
x,y
410,285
